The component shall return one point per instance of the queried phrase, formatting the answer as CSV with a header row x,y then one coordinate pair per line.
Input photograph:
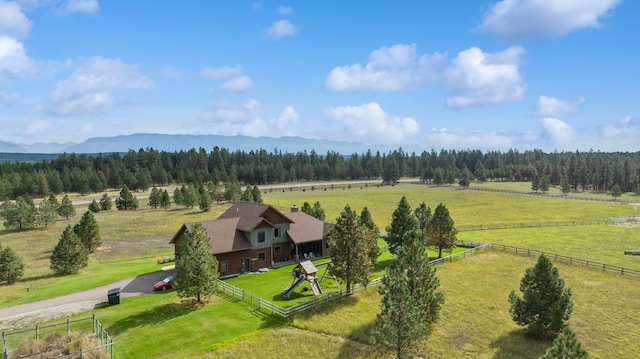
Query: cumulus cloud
x,y
280,29
90,87
628,127
392,68
13,22
476,78
458,138
558,132
371,124
552,107
232,77
521,19
246,119
285,10
82,6
14,62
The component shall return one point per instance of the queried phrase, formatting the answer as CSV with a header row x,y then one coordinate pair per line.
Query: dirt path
x,y
35,312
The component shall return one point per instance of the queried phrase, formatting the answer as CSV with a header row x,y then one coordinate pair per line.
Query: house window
x,y
224,266
261,237
277,250
276,232
262,256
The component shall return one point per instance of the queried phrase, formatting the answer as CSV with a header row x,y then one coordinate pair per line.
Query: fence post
x,y
37,333
68,327
243,294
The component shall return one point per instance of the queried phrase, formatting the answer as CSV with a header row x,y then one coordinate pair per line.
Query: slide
x,y
288,291
315,286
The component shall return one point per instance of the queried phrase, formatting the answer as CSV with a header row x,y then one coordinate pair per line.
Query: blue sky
x,y
459,74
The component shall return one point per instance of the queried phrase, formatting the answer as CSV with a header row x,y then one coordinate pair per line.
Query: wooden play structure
x,y
305,271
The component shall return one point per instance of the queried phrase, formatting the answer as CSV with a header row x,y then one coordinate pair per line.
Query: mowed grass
x,y
474,321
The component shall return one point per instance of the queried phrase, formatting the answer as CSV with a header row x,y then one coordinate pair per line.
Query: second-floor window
x,y
261,237
276,232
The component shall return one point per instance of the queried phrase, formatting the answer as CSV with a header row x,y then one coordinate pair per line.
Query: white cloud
x,y
36,128
478,78
280,29
221,73
559,132
237,84
232,119
89,88
552,107
83,6
14,62
627,128
369,123
13,22
463,139
285,10
389,69
520,19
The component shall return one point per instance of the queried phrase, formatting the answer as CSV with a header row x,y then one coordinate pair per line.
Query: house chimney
x,y
294,208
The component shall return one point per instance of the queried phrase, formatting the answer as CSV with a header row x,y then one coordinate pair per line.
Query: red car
x,y
164,284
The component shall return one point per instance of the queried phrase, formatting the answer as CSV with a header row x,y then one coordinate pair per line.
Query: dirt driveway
x,y
35,312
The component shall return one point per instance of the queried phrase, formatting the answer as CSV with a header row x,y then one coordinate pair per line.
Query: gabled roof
x,y
252,215
223,236
306,228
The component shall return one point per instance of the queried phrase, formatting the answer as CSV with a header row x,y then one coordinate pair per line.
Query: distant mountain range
x,y
171,143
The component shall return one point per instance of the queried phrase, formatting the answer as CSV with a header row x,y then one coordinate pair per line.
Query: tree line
x,y
143,169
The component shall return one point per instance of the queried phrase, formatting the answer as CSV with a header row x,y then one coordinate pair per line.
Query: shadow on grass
x,y
516,345
358,343
153,316
269,320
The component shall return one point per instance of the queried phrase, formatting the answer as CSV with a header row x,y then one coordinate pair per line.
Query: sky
x,y
458,74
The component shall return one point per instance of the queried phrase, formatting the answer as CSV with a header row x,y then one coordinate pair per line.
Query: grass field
x,y
474,320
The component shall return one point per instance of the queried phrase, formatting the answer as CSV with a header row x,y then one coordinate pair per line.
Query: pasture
x,y
474,321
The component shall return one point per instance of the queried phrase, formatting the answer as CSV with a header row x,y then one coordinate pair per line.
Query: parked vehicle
x,y
164,284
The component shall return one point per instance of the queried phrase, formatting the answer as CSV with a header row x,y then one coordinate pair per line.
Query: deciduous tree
x,y
545,305
197,267
69,255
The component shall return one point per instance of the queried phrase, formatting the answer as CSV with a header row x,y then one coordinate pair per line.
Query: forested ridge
x,y
81,173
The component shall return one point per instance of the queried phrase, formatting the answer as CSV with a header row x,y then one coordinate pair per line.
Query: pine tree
x,y
566,346
105,202
165,200
373,233
66,208
348,248
441,232
205,201
544,184
402,221
318,212
398,327
257,196
127,201
546,305
69,255
47,212
94,207
616,191
423,214
177,196
88,231
21,214
11,266
154,198
197,268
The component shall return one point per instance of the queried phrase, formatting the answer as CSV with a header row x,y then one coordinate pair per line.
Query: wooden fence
x,y
15,337
480,227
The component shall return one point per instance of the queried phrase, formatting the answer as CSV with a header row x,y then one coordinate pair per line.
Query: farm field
x,y
475,288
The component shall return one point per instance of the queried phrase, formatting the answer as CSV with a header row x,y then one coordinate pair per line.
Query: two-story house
x,y
250,236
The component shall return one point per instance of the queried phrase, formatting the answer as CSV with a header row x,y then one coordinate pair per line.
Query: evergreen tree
x,y
318,212
154,197
349,250
423,214
69,255
205,201
402,221
247,195
306,208
21,214
88,231
544,184
94,206
546,305
105,202
535,183
177,195
232,192
257,196
566,346
66,208
398,327
565,186
127,201
47,212
11,266
616,191
165,200
197,268
373,233
438,176
441,232
189,196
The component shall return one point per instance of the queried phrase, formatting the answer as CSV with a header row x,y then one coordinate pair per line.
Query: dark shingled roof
x,y
224,237
250,214
306,228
